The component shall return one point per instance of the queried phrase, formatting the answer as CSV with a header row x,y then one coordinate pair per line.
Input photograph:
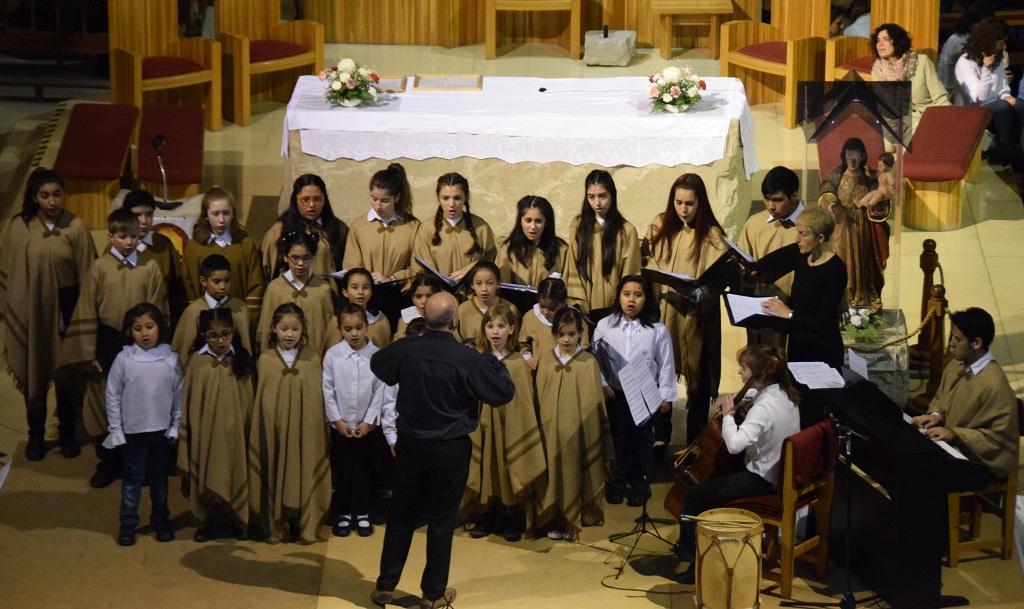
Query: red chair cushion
x,y
182,128
831,145
815,450
765,505
267,50
861,64
944,142
161,67
774,51
95,141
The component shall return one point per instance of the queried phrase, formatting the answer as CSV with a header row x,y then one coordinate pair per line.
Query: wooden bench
x,y
92,158
693,12
945,151
182,128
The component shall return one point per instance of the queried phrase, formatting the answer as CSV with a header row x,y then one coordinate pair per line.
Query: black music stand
x,y
643,521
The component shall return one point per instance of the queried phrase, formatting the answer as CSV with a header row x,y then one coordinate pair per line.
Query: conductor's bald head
x,y
439,312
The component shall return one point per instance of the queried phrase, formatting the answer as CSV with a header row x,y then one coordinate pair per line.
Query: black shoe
x,y
294,532
482,526
202,534
514,526
343,528
126,536
35,450
240,534
687,577
101,478
613,494
164,532
637,496
69,448
363,525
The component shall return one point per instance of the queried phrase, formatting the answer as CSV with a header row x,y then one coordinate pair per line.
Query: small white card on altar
x,y
448,82
858,364
392,84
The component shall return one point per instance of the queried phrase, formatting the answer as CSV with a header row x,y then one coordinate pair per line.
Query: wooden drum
x,y
728,559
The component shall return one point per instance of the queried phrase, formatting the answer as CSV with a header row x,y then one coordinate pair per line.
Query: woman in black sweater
x,y
818,293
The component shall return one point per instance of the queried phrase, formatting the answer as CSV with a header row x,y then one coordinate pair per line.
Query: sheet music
x,y
946,446
742,253
433,271
641,389
816,375
410,313
339,275
858,364
682,276
518,287
743,307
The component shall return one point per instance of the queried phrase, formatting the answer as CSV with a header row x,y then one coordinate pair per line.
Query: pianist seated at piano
x,y
974,407
772,417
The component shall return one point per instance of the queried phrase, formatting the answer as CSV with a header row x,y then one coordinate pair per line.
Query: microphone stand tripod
x,y
639,530
847,600
158,145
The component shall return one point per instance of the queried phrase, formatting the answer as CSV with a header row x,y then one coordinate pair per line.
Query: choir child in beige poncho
x,y
532,252
535,336
117,281
457,239
217,231
508,461
423,287
299,285
570,404
309,211
382,241
213,433
154,245
483,283
45,255
289,469
357,289
686,238
604,247
975,407
215,278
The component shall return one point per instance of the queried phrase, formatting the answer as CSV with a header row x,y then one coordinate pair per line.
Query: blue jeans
x,y
145,458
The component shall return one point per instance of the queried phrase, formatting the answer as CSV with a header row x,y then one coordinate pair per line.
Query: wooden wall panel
x,y
142,26
802,18
250,18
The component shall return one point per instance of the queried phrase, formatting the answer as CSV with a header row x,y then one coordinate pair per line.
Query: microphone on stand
x,y
158,144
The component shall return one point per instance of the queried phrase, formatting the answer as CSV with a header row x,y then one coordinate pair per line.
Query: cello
x,y
706,457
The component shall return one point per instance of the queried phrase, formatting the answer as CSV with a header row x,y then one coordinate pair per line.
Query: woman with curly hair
x,y
895,61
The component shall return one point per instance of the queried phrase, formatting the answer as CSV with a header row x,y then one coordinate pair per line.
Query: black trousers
x,y
430,476
634,446
713,493
145,459
1005,124
350,472
67,407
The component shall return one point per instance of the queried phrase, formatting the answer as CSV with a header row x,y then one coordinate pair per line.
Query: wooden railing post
x,y
929,262
938,306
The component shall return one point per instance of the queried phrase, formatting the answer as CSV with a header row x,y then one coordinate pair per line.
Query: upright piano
x,y
898,522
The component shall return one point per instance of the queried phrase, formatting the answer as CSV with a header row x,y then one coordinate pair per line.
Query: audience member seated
x,y
974,407
894,61
981,81
953,48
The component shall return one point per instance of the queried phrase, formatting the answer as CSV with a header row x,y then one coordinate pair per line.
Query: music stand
x,y
639,530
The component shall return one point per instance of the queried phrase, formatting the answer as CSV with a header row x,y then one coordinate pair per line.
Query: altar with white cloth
x,y
524,135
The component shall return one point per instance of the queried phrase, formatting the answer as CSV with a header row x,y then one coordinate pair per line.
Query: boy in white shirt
x,y
353,401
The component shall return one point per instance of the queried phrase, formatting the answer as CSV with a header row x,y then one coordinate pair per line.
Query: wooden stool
x,y
92,158
694,12
520,6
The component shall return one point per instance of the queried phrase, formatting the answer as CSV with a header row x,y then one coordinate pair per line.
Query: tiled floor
x,y
981,263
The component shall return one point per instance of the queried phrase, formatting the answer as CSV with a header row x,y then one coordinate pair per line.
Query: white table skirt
x,y
603,121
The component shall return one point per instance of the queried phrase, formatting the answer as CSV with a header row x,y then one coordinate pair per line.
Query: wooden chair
x,y
263,56
998,498
772,59
920,18
806,479
519,6
692,12
149,60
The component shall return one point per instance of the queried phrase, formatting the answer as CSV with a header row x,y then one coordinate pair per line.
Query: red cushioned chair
x,y
945,151
151,64
92,157
182,129
806,479
772,59
263,56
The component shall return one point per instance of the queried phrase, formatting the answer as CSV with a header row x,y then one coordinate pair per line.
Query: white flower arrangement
x,y
674,89
347,82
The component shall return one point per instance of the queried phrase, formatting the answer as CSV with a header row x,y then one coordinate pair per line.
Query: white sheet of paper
x,y
743,307
641,388
449,81
946,446
410,313
683,276
745,255
339,275
816,375
858,364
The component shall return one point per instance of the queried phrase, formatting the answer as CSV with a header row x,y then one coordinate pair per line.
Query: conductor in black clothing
x,y
441,383
818,293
